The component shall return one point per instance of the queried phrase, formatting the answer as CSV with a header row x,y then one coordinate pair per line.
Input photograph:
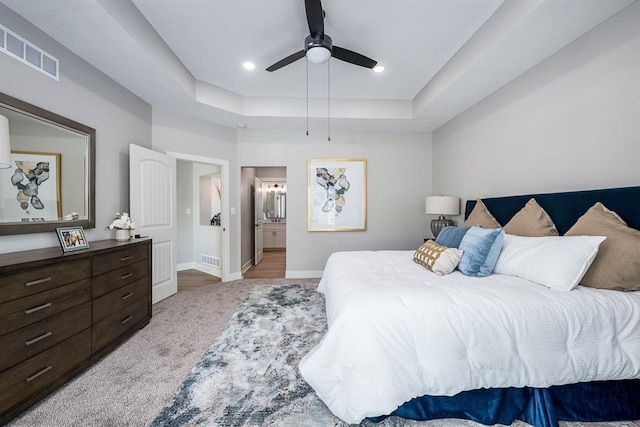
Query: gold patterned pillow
x,y
531,221
481,216
437,258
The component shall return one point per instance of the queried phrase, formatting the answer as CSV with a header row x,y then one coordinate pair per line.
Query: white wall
x,y
398,179
87,96
207,238
571,123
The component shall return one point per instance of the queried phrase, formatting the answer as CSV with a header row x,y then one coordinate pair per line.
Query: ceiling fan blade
x,y
286,61
353,57
315,17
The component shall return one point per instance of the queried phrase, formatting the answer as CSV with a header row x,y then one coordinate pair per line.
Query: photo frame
x,y
72,238
337,194
31,187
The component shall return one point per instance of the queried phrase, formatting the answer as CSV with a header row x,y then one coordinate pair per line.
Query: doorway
x,y
153,202
202,219
264,221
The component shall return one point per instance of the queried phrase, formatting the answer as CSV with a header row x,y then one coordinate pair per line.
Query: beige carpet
x,y
133,383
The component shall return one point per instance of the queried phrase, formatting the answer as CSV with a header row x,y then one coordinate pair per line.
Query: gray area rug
x,y
249,375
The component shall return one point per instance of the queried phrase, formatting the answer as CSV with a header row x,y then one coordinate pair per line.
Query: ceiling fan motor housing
x,y
318,56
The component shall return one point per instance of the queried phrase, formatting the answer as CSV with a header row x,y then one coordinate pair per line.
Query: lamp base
x,y
438,224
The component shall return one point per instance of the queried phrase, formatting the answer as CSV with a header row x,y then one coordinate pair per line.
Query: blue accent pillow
x,y
481,248
451,236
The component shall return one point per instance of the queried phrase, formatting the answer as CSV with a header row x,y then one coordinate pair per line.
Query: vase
x,y
123,235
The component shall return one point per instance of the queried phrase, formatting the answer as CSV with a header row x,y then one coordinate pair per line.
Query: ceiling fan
x,y
318,46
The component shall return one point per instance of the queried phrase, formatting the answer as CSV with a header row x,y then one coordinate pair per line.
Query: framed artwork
x,y
337,194
72,238
31,187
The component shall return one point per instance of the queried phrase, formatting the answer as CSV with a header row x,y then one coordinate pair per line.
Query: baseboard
x,y
214,271
186,266
302,274
247,265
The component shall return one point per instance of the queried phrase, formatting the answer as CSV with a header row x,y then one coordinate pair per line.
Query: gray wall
x,y
184,175
87,96
571,123
398,179
187,135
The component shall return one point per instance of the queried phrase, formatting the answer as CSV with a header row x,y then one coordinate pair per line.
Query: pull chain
x,y
329,100
307,62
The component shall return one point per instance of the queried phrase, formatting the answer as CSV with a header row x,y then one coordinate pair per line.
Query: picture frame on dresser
x,y
72,238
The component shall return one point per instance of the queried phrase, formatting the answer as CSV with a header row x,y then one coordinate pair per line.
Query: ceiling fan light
x,y
318,54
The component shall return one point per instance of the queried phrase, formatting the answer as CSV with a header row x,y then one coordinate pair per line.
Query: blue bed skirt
x,y
540,407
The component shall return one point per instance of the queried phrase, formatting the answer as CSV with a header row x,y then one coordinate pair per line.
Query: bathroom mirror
x,y
275,202
51,181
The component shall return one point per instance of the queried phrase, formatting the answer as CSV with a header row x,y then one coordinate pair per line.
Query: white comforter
x,y
398,331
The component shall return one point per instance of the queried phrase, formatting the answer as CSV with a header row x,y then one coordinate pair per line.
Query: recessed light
x,y
378,69
249,65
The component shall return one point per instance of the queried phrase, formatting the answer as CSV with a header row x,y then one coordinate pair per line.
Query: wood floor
x,y
272,266
190,279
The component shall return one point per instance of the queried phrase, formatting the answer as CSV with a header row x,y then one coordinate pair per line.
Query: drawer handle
x,y
37,374
38,308
125,320
36,339
126,276
37,282
126,258
129,295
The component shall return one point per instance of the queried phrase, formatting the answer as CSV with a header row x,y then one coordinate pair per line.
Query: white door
x,y
258,221
152,194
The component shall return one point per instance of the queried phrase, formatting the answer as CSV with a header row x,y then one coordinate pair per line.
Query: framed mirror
x,y
51,179
275,201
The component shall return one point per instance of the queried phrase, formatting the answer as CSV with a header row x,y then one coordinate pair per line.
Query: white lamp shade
x,y
5,146
318,54
442,205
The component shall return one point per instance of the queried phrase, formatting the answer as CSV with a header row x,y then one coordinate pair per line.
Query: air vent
x,y
28,53
210,260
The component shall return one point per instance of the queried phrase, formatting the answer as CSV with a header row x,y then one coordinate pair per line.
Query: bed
x,y
405,341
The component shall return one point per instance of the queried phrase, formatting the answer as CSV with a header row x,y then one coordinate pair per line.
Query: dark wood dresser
x,y
59,313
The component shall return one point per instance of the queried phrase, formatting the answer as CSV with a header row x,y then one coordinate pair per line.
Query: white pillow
x,y
557,262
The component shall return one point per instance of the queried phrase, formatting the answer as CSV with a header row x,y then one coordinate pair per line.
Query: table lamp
x,y
441,206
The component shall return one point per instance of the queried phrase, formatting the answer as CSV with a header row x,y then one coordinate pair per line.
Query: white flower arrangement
x,y
122,222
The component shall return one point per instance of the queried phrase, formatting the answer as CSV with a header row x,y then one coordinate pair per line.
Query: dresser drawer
x,y
118,299
114,260
29,282
33,339
112,327
26,311
116,279
32,375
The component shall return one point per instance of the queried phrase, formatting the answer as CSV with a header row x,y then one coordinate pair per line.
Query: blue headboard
x,y
565,208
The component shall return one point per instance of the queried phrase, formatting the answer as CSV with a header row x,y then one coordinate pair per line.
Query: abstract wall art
x,y
337,194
